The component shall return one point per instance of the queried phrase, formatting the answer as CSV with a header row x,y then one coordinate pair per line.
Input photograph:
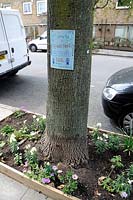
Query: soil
x,y
98,165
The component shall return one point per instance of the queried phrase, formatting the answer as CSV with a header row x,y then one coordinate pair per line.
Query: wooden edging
x,y
107,132
44,189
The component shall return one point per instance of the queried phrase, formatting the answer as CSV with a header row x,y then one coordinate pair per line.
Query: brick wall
x,y
106,20
111,15
29,20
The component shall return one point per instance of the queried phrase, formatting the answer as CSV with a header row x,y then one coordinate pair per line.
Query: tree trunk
x,y
68,90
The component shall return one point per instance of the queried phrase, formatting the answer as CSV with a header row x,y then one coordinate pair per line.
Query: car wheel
x,y
126,121
33,47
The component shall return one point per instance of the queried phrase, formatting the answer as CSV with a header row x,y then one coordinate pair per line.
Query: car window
x,y
43,37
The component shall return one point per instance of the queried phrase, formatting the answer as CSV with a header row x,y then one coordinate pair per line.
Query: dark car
x,y
117,98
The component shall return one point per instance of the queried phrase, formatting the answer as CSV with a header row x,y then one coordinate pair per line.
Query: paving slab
x,y
13,190
5,111
33,195
10,189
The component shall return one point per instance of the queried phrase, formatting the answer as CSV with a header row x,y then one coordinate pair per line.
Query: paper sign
x,y
62,43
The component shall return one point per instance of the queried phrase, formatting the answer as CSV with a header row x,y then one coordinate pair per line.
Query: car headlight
x,y
109,93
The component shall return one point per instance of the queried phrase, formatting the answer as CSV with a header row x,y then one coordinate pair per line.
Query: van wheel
x,y
33,47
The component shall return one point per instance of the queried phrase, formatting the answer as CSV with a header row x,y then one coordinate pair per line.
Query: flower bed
x,y
109,173
35,185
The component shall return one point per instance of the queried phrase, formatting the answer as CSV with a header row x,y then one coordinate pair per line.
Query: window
x,y
122,4
5,5
121,31
27,8
41,7
130,33
124,36
124,32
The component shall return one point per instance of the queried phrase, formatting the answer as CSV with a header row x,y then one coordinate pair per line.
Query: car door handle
x,y
12,50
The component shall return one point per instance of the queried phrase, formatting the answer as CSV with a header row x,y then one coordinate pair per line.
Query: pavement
x,y
14,190
108,52
9,188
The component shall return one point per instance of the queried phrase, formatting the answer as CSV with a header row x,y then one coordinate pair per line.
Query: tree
x,y
68,90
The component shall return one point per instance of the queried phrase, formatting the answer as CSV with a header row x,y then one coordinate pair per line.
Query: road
x,y
28,89
102,68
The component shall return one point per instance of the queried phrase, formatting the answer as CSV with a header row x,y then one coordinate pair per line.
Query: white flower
x,y
74,177
100,138
44,117
34,116
124,195
25,121
13,138
48,163
33,133
33,150
130,181
37,119
105,135
59,171
28,146
98,125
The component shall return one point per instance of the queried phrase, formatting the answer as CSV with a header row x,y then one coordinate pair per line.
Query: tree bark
x,y
68,91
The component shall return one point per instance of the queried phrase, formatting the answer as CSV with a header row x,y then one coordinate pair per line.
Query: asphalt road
x,y
102,68
28,89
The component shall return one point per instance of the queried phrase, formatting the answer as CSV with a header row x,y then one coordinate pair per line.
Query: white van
x,y
39,44
13,47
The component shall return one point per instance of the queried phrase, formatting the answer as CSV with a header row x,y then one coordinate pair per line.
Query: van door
x,y
5,56
16,37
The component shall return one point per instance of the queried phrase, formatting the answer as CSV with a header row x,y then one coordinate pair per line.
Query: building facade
x,y
113,25
33,13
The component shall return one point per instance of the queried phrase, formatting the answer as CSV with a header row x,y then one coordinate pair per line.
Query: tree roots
x,y
72,152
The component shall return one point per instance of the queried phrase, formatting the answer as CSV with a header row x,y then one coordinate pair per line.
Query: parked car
x,y
117,98
13,47
39,44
